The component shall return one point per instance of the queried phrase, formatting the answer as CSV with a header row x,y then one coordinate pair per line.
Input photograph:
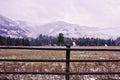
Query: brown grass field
x,y
59,67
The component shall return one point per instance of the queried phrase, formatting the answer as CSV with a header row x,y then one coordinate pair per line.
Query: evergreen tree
x,y
60,39
25,42
3,41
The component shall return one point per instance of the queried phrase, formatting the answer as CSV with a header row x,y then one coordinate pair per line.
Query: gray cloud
x,y
97,13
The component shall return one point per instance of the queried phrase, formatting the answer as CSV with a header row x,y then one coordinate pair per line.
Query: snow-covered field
x,y
59,67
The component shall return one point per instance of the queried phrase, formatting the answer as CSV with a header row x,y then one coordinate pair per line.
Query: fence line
x,y
60,49
67,73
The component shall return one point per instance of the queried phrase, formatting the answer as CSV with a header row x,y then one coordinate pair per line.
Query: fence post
x,y
67,62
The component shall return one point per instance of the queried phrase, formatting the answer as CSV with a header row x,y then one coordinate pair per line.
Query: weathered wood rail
x,y
67,73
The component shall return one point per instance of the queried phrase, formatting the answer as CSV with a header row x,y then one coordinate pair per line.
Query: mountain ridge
x,y
71,30
10,28
20,29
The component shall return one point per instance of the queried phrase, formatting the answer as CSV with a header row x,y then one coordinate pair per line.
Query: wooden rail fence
x,y
67,73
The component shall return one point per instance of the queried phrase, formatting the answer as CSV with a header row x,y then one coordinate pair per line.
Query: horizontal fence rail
x,y
60,49
31,60
55,73
67,73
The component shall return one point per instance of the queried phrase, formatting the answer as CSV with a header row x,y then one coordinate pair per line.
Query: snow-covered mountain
x,y
21,29
10,28
74,30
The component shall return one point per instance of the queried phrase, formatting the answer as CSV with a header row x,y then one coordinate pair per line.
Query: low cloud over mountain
x,y
21,29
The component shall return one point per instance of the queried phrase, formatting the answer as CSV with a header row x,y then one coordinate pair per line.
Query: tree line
x,y
7,41
44,40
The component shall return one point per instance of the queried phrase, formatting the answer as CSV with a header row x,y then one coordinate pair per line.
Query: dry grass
x,y
59,67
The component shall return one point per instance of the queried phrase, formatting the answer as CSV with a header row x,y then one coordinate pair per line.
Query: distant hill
x,y
72,30
10,28
21,29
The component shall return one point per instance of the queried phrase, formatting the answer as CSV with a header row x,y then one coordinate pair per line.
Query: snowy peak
x,y
72,30
10,28
6,21
21,29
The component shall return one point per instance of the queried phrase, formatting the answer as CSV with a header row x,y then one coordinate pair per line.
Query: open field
x,y
59,67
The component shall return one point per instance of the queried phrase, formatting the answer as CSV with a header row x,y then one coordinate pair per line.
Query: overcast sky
x,y
97,13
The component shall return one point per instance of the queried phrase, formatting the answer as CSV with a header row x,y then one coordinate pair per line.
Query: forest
x,y
60,40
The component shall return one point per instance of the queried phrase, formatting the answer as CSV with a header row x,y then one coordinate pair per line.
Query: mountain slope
x,y
10,28
21,29
72,30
